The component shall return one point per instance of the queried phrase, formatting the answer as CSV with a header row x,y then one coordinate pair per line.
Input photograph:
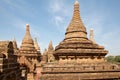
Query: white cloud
x,y
55,6
19,43
34,32
104,33
59,20
112,42
60,12
60,7
18,4
18,24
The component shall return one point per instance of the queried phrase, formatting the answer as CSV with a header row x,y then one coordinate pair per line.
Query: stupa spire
x,y
27,42
76,28
92,35
14,43
27,30
45,52
50,47
76,13
36,44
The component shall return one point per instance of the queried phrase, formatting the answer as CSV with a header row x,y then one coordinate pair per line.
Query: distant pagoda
x,y
76,46
29,54
27,42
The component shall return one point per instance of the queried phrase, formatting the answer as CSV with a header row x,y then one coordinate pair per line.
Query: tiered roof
x,y
27,42
76,41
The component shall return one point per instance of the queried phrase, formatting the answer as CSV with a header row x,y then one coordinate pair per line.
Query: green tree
x,y
117,58
110,58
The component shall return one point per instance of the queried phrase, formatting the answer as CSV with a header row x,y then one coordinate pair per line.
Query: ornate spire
x,y
27,42
36,44
27,28
50,47
45,52
14,43
76,2
45,57
92,35
76,29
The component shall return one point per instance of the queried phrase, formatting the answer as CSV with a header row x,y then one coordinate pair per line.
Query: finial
x,y
76,2
92,35
27,27
91,29
27,24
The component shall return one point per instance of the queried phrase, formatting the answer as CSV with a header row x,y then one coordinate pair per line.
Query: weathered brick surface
x,y
79,58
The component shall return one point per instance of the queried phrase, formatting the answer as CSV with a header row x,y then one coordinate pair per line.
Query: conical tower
x,y
44,56
28,53
45,52
50,52
50,47
76,28
36,45
76,47
27,42
15,45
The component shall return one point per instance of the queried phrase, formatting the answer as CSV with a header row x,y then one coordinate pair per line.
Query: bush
x,y
117,58
110,59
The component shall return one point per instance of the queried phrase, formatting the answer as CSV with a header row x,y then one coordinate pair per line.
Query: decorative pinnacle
x,y
92,35
76,25
76,13
27,27
14,43
27,24
36,44
50,47
76,2
45,52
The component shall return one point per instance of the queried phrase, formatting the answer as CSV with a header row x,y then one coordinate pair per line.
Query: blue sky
x,y
48,20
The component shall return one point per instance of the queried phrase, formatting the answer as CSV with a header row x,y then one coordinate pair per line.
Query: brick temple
x,y
9,67
76,57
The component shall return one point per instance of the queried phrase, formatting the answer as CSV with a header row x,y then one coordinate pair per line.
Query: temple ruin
x,y
76,57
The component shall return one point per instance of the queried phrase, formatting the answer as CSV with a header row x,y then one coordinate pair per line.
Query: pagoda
x,y
27,42
29,54
50,52
76,46
78,57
